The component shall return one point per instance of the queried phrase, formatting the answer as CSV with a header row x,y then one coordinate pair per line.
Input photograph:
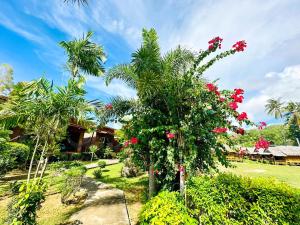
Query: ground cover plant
x,y
227,199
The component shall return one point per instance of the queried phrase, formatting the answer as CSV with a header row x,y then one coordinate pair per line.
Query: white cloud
x,y
115,88
284,85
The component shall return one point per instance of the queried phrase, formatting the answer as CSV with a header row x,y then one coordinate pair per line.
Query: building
x,y
281,155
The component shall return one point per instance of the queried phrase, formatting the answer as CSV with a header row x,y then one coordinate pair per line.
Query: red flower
x,y
233,105
108,106
242,116
170,135
240,46
239,91
217,93
133,140
262,125
220,130
240,131
214,43
237,98
126,144
262,143
211,87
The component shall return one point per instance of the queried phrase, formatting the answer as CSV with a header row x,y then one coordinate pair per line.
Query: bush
x,y
108,153
65,165
97,173
229,199
101,164
129,169
167,208
76,156
23,207
71,182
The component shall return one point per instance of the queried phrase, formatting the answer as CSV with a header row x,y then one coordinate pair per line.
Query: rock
x,y
77,197
129,171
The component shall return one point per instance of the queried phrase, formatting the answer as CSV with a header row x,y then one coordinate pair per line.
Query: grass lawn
x,y
287,174
134,188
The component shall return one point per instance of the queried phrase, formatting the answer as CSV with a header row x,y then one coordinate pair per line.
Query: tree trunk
x,y
182,179
152,188
41,159
181,167
32,158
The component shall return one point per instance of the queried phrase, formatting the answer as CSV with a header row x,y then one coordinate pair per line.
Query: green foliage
x,y
65,165
72,180
229,199
276,134
23,208
108,153
12,155
76,156
101,164
97,173
167,208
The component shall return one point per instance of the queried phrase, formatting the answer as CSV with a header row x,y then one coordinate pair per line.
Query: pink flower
x,y
233,105
262,143
108,106
170,135
133,140
237,98
240,46
242,116
211,87
239,91
262,125
219,130
214,43
222,99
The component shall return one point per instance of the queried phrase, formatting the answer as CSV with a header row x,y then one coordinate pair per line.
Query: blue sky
x,y
270,68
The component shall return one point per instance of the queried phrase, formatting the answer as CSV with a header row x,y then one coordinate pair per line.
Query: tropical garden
x,y
175,138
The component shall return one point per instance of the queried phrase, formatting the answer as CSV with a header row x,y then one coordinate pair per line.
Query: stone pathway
x,y
105,205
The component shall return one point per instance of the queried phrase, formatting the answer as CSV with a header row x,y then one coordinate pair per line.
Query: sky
x,y
30,31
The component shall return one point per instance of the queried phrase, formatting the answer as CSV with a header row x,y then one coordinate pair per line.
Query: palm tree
x,y
84,56
79,2
275,107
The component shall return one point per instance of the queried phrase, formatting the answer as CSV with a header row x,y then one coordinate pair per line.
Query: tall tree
x,y
171,97
84,56
275,107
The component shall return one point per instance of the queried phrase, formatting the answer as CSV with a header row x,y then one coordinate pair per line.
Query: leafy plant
x,y
93,149
166,208
108,153
23,207
101,164
72,180
97,173
229,199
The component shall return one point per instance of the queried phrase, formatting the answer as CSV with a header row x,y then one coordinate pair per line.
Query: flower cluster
x,y
262,125
219,130
170,135
108,106
133,141
215,42
262,143
237,97
212,88
240,46
242,116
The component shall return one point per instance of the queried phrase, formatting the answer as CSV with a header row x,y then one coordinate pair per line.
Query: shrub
x,y
129,169
167,208
101,164
23,207
76,156
71,182
97,173
229,199
108,153
65,165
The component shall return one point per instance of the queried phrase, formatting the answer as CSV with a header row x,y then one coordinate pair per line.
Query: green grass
x,y
286,174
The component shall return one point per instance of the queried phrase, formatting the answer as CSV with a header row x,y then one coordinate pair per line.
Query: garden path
x,y
105,205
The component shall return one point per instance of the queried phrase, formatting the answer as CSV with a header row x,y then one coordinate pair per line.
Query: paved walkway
x,y
105,205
